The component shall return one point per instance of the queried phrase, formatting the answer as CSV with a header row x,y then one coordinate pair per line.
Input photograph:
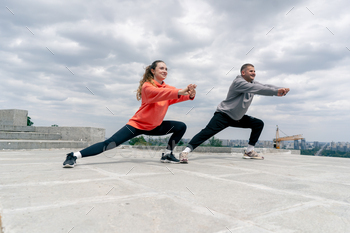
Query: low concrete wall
x,y
28,136
15,117
281,151
40,144
207,149
202,149
89,134
12,128
267,150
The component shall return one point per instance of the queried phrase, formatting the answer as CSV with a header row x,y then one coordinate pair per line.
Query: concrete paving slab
x,y
129,190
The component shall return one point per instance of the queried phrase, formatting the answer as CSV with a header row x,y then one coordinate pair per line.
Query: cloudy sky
x,y
78,63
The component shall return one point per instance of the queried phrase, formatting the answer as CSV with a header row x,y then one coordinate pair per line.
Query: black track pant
x,y
128,132
221,121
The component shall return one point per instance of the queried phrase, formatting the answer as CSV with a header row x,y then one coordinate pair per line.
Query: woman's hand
x,y
189,90
192,90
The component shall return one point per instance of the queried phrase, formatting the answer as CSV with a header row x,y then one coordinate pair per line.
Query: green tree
x,y
309,152
138,141
29,122
181,143
215,142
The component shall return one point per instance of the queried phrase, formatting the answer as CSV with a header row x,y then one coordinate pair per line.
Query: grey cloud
x,y
302,58
298,53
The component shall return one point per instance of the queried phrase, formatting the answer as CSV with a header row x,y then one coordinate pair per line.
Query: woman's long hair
x,y
147,77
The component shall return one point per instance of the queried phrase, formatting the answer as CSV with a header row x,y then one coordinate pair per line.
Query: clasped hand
x,y
189,90
282,91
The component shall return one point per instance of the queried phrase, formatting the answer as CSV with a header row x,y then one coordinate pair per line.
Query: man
x,y
231,112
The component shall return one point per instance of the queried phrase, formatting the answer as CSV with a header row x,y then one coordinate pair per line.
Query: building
x,y
316,144
303,144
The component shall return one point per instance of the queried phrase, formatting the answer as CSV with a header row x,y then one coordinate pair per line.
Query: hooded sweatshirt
x,y
240,96
155,103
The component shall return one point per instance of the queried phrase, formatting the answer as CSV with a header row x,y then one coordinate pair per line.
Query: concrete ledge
x,y
207,149
29,136
14,117
88,134
203,149
280,151
40,144
12,128
267,151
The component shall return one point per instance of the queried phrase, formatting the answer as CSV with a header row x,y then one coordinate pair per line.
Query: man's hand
x,y
282,91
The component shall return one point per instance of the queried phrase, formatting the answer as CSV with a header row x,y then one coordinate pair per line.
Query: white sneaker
x,y
251,155
183,157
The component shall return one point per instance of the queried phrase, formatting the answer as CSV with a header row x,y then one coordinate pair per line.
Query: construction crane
x,y
277,141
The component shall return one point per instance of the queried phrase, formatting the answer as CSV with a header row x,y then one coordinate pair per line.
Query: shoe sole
x,y
168,161
184,161
68,166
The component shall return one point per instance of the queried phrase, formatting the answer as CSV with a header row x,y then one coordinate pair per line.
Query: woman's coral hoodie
x,y
155,103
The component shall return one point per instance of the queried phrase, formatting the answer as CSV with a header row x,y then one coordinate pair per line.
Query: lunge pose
x,y
231,112
156,97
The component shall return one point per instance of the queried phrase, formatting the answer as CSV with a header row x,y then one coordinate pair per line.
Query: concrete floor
x,y
128,190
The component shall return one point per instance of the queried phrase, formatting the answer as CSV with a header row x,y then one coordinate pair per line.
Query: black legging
x,y
221,121
128,132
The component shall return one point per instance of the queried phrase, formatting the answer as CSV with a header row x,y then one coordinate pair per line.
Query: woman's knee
x,y
109,144
181,126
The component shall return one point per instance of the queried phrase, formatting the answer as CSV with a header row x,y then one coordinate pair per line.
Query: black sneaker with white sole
x,y
70,161
164,158
169,158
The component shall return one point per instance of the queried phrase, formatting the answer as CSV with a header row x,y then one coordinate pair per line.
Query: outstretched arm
x,y
282,91
187,93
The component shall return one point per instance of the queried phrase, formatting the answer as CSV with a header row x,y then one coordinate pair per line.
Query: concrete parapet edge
x,y
89,134
203,149
207,149
40,144
267,151
13,128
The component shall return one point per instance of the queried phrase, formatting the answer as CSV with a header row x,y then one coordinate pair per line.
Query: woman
x,y
156,97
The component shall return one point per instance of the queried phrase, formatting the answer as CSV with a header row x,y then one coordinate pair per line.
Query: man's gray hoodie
x,y
240,96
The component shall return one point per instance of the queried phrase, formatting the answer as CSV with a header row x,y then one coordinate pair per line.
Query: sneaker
x,y
70,160
169,158
164,158
251,155
183,157
172,158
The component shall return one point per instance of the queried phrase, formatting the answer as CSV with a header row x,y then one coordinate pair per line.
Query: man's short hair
x,y
245,66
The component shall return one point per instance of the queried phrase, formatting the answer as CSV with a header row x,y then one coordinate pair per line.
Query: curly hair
x,y
147,77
